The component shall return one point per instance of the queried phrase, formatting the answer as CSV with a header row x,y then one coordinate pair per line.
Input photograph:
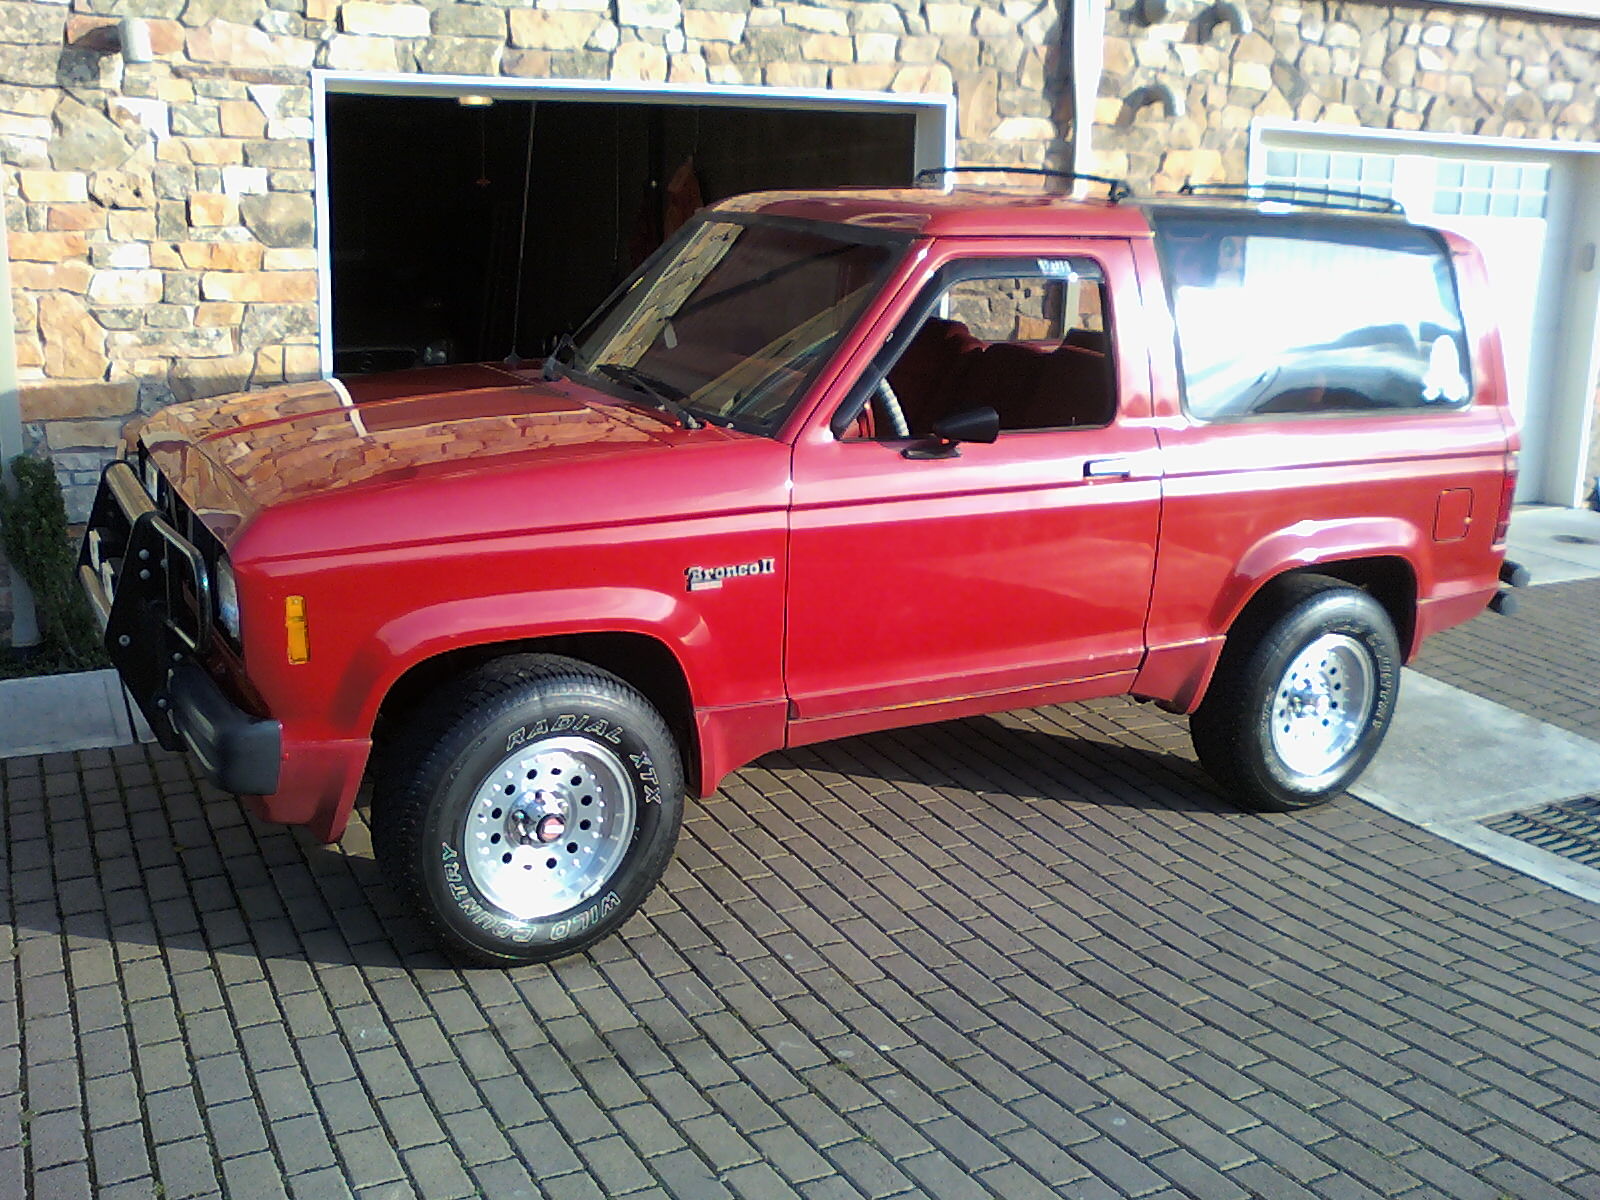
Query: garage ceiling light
x,y
473,100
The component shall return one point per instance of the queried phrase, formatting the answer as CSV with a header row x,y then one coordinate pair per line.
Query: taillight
x,y
1508,489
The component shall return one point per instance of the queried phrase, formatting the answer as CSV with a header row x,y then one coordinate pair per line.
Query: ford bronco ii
x,y
829,462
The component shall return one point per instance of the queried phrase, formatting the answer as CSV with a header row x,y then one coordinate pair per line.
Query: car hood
x,y
232,457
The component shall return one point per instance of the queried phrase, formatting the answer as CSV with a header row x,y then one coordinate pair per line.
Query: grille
x,y
187,524
177,511
1570,828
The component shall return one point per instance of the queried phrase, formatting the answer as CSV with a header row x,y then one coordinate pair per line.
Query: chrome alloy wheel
x,y
1322,704
549,826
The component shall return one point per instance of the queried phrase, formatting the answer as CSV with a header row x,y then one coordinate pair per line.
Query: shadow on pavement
x,y
172,863
1000,755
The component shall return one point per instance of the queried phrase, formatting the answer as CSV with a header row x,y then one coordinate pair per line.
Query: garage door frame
x,y
1560,478
934,146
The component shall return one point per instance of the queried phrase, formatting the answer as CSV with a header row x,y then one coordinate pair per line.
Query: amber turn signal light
x,y
294,624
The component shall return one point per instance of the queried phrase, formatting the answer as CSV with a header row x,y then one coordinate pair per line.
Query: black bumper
x,y
238,752
150,588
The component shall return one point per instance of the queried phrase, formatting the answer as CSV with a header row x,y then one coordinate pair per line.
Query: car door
x,y
923,586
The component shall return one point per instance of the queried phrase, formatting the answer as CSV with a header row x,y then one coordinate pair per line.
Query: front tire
x,y
1302,696
529,810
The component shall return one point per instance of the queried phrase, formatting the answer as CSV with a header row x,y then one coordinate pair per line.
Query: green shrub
x,y
33,529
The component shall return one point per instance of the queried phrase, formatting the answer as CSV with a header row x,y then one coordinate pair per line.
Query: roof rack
x,y
1299,194
1116,189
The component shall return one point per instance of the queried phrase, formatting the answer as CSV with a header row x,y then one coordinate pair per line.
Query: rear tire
x,y
1302,696
527,811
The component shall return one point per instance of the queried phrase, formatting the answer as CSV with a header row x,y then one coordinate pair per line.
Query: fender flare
x,y
425,633
1178,676
1316,543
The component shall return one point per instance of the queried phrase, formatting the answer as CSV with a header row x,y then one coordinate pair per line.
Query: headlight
x,y
228,599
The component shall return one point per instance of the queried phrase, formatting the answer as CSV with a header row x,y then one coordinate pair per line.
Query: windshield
x,y
732,320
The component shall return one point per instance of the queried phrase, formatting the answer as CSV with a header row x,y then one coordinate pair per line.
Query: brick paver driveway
x,y
1020,956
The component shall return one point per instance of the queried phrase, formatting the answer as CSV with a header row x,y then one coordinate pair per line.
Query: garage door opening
x,y
425,200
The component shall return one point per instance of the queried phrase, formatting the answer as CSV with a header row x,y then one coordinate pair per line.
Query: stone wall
x,y
161,214
1382,66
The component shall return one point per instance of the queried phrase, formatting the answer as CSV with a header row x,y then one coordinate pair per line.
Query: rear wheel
x,y
529,810
1302,697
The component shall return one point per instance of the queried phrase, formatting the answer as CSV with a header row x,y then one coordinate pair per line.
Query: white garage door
x,y
1506,202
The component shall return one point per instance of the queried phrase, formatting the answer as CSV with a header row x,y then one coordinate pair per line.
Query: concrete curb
x,y
46,714
1558,545
1454,760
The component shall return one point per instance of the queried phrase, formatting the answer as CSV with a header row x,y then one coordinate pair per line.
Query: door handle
x,y
1107,468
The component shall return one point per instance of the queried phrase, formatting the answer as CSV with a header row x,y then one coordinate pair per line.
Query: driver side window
x,y
1028,338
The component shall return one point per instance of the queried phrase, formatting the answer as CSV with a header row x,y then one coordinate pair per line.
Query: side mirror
x,y
968,425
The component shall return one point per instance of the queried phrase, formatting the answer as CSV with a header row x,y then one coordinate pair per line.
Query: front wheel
x,y
1302,697
530,809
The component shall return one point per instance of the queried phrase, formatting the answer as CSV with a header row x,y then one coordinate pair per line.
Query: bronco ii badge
x,y
698,579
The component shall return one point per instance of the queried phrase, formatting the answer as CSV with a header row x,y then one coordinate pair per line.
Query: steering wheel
x,y
889,405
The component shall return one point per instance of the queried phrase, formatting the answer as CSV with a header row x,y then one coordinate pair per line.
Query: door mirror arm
x,y
968,425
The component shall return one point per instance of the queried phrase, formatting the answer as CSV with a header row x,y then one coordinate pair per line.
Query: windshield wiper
x,y
552,362
651,387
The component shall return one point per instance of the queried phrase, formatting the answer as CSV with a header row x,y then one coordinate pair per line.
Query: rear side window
x,y
1321,316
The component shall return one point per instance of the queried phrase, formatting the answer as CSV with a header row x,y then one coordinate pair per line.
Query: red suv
x,y
829,462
